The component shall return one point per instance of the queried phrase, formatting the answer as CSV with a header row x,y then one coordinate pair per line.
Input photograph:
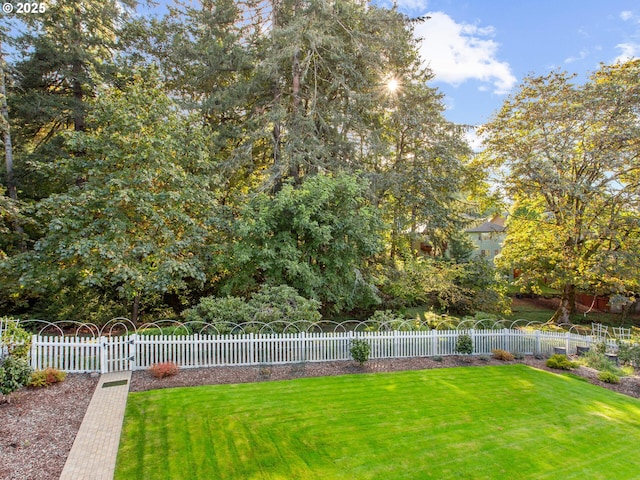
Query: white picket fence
x,y
134,352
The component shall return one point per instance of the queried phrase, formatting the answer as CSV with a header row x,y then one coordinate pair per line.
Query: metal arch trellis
x,y
121,326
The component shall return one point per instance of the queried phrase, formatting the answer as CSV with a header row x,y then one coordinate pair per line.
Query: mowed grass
x,y
501,422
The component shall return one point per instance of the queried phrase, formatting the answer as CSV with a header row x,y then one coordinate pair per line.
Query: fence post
x,y
472,334
394,354
567,342
538,349
104,367
33,352
434,341
133,340
252,357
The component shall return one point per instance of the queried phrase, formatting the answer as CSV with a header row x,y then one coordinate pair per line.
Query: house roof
x,y
487,227
496,224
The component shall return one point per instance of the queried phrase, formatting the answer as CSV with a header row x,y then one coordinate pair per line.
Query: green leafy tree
x,y
570,156
453,287
317,238
137,225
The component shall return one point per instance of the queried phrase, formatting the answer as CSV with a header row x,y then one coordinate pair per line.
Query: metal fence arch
x,y
119,344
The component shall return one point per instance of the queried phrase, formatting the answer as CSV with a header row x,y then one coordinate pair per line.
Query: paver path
x,y
94,451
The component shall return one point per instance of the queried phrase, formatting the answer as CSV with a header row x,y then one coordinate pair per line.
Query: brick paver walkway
x,y
94,451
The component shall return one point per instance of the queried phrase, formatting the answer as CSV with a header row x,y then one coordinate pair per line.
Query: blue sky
x,y
480,50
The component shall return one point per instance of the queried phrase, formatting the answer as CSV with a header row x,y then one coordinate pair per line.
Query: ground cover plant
x,y
496,422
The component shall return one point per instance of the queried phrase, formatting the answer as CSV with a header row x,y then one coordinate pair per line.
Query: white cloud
x,y
628,15
584,53
457,52
629,51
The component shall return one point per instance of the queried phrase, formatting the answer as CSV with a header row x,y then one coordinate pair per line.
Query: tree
x,y
419,168
570,156
137,227
7,205
317,238
64,53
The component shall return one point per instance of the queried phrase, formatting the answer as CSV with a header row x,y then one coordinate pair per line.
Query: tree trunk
x,y
76,83
567,305
6,133
136,309
8,147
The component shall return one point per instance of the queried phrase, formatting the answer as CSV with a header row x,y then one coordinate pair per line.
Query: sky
x,y
481,50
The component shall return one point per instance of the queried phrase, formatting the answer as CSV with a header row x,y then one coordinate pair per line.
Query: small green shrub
x,y
502,355
484,358
47,377
608,377
360,350
437,358
163,370
464,344
15,372
560,362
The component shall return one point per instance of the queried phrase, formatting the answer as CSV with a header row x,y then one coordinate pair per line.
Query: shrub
x,y
629,354
608,377
15,338
502,355
360,350
15,372
163,370
599,361
283,304
273,305
560,362
388,320
464,344
47,377
600,347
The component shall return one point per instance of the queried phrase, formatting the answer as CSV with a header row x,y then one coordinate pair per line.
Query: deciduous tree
x,y
137,227
571,159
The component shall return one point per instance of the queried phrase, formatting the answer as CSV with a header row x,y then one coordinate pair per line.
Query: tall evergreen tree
x,y
65,52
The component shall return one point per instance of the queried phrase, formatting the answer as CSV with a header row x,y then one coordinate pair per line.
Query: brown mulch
x,y
38,426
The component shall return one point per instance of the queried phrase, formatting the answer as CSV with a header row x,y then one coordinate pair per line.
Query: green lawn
x,y
505,422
